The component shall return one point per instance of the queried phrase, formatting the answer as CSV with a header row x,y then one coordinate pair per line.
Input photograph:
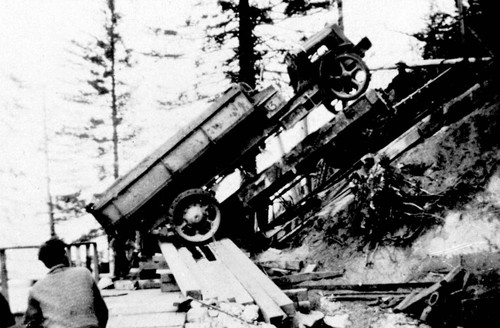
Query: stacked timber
x,y
221,272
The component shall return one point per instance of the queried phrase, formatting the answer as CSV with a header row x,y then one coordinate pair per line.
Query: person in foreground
x,y
7,319
67,296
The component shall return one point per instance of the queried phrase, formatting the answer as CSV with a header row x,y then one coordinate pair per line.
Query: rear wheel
x,y
344,77
195,215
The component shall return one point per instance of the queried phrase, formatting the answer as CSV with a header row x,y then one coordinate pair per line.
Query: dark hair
x,y
53,252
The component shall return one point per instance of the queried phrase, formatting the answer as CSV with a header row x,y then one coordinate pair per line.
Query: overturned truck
x,y
169,190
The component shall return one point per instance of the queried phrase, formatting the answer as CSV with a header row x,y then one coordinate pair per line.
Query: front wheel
x,y
195,215
345,76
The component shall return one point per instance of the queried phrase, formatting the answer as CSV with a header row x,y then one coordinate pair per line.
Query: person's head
x,y
53,252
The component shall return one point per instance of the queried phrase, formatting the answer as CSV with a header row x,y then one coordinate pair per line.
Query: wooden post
x,y
96,263
88,263
3,274
78,260
68,255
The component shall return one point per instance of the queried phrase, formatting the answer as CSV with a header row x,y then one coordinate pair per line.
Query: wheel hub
x,y
194,214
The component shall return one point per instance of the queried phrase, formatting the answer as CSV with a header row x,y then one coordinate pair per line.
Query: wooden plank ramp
x,y
222,272
148,308
187,282
232,254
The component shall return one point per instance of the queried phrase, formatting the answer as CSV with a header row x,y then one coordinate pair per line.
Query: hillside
x,y
456,174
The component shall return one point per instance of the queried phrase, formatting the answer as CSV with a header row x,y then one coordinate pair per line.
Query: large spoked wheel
x,y
195,215
345,76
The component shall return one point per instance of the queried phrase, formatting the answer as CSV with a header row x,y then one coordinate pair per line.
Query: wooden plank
x,y
306,276
251,270
217,285
309,268
229,282
363,287
415,299
270,311
148,320
297,294
169,286
142,301
187,282
403,142
208,292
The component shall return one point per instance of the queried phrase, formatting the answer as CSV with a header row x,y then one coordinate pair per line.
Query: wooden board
x,y
283,301
230,282
271,312
147,308
306,276
188,284
148,320
208,292
252,272
230,285
217,284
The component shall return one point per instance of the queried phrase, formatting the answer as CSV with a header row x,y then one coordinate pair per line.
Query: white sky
x,y
35,34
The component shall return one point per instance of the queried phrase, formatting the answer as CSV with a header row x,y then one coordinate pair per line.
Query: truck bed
x,y
158,173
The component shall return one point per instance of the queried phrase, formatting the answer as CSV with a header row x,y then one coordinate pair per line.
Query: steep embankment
x,y
458,169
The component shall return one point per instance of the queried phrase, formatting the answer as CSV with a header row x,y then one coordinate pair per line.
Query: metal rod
x,y
434,62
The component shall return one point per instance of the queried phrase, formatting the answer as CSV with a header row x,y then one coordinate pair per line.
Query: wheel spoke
x,y
345,76
358,84
354,69
343,68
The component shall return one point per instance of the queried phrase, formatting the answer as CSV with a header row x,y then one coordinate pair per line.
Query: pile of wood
x,y
221,271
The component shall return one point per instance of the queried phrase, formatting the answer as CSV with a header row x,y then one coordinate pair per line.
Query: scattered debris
x,y
309,319
337,321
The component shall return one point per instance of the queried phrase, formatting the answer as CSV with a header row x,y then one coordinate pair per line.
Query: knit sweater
x,y
67,298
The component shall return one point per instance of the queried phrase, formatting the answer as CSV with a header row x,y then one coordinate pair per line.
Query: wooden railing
x,y
90,260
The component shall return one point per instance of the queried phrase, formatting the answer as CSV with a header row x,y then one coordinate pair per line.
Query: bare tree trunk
x,y
246,45
48,182
114,106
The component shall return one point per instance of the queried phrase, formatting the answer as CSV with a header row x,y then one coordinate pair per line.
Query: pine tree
x,y
463,34
255,48
107,60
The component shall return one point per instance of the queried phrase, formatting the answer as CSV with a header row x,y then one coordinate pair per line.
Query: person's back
x,y
66,297
6,317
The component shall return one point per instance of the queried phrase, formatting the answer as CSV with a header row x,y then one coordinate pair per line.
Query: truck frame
x,y
170,188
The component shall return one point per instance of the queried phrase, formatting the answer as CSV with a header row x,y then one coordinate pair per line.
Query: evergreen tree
x,y
445,37
22,176
254,49
107,60
239,22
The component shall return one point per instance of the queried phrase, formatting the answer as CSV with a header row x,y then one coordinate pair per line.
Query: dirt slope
x,y
462,157
459,161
